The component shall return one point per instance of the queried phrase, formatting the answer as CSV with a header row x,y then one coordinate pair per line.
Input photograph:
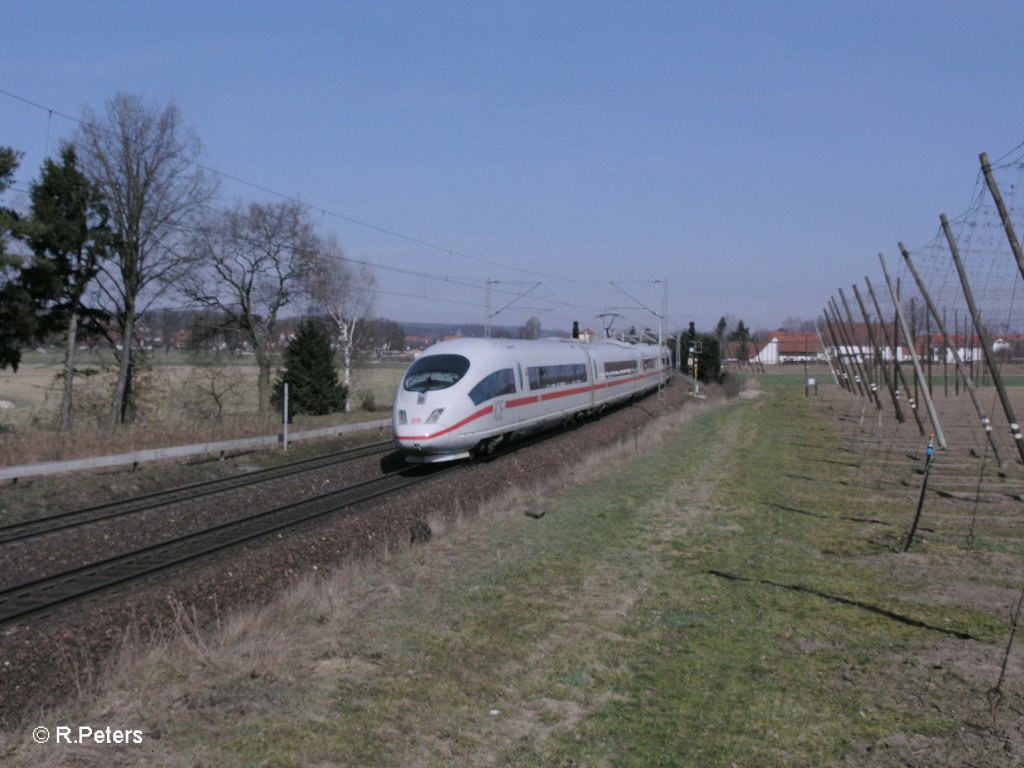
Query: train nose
x,y
421,434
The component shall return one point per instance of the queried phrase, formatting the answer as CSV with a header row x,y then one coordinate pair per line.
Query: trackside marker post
x,y
286,415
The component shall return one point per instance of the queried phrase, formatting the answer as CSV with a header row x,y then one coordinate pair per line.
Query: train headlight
x,y
402,419
435,415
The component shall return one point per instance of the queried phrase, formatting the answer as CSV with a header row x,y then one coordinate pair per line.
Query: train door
x,y
592,375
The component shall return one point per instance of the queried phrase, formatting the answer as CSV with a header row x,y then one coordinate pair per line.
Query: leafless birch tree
x,y
344,292
142,158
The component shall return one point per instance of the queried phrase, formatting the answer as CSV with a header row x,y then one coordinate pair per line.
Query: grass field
x,y
174,386
732,595
176,405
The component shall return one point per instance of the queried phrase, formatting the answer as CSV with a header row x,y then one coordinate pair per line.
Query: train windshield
x,y
435,372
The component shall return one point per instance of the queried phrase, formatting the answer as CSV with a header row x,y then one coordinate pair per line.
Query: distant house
x,y
782,348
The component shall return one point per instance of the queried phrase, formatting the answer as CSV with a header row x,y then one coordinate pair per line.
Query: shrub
x,y
367,400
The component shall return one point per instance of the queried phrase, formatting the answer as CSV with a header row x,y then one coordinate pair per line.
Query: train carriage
x,y
468,395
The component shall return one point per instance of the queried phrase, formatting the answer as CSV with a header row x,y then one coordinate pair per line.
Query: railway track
x,y
29,529
46,591
43,594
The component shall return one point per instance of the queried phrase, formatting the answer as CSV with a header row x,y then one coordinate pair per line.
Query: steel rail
x,y
28,529
77,583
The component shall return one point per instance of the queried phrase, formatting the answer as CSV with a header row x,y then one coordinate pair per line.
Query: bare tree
x,y
531,328
344,292
215,380
248,262
142,158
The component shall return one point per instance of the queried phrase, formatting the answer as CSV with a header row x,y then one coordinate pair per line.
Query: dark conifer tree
x,y
18,324
69,238
310,373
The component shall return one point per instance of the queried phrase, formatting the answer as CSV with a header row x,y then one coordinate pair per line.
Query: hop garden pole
x,y
838,346
986,341
870,384
993,188
897,370
986,422
878,355
925,394
851,353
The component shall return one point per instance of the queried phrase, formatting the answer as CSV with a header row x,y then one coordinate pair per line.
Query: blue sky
x,y
755,155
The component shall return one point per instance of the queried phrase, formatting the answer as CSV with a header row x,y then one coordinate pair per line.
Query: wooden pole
x,y
872,388
913,343
945,357
854,354
986,342
878,356
894,348
837,344
824,348
956,332
1018,254
926,396
986,423
840,345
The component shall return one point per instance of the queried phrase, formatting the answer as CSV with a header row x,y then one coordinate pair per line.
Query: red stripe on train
x,y
482,412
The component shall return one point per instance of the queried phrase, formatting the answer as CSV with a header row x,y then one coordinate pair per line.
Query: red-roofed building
x,y
782,347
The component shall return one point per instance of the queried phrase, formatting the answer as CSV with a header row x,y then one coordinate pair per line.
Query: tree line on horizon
x,y
124,221
125,218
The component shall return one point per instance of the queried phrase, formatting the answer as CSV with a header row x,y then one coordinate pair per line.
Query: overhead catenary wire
x,y
448,252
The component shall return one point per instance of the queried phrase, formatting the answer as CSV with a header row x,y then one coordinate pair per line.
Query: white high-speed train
x,y
467,395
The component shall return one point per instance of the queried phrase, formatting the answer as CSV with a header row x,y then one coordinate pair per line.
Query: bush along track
x,y
733,596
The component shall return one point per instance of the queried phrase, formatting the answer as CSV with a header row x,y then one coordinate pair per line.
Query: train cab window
x,y
435,372
499,383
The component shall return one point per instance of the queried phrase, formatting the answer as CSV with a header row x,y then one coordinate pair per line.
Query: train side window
x,y
496,384
619,368
545,376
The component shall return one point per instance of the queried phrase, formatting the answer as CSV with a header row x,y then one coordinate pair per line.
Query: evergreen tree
x,y
742,333
310,374
69,238
18,324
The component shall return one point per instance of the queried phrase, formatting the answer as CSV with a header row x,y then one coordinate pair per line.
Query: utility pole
x,y
487,310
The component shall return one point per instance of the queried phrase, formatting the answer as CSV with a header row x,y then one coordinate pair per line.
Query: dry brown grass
x,y
293,640
176,407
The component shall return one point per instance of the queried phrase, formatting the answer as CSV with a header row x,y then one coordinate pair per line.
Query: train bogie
x,y
467,395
